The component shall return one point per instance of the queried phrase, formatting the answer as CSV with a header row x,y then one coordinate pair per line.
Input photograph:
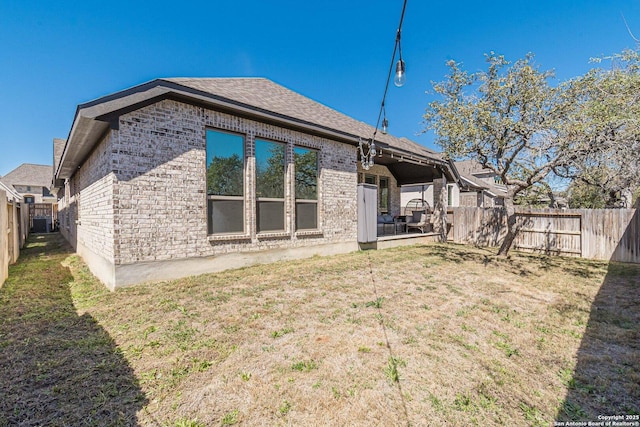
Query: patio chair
x,y
415,205
419,220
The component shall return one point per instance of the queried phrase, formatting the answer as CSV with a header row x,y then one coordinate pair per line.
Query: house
x,y
480,187
183,176
32,183
476,186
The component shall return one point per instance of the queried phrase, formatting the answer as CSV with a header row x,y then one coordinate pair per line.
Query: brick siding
x,y
86,212
158,205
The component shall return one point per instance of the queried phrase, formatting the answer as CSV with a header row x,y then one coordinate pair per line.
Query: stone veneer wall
x,y
159,187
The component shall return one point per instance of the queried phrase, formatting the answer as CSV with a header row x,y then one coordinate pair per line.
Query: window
x,y
46,192
383,195
449,195
29,199
270,161
225,182
370,179
306,167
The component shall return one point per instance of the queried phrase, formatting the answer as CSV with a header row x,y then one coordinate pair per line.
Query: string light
x,y
368,147
385,122
401,75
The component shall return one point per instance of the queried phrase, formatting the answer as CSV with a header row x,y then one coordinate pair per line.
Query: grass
x,y
422,335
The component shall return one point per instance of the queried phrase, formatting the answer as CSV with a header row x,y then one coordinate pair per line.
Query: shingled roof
x,y
29,174
269,96
468,169
11,193
256,98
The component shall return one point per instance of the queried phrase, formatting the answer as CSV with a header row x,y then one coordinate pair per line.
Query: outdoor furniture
x,y
419,220
384,221
400,222
415,205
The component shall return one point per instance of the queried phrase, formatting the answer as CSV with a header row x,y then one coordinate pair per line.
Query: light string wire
x,y
397,48
367,160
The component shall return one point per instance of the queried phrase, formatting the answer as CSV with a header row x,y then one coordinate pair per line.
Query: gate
x,y
41,218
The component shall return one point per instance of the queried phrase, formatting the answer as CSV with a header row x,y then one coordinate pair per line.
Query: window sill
x,y
227,237
273,235
305,233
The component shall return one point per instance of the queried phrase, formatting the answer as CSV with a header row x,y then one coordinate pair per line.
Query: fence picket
x,y
609,234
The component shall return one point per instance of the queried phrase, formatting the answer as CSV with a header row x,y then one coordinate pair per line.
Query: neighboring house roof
x,y
11,193
468,170
469,167
256,98
29,174
58,148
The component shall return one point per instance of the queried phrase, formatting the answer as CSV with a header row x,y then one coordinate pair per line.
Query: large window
x,y
306,166
225,182
270,161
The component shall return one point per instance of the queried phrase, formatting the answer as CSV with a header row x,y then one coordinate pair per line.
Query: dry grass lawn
x,y
422,335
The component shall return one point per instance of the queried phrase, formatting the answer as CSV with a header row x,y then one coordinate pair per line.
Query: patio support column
x,y
439,216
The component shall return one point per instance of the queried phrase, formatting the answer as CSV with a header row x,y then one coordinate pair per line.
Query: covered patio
x,y
407,163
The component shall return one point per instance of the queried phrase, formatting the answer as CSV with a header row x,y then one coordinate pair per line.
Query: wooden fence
x,y
608,234
13,232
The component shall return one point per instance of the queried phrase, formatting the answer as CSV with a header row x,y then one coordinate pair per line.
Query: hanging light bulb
x,y
401,76
367,159
385,126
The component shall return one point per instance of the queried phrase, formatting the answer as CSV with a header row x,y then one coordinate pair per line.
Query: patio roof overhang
x,y
409,168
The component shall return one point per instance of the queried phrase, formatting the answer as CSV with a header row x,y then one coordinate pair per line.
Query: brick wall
x,y
158,158
86,210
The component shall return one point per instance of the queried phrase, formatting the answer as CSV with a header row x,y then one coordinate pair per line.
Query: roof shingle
x,y
269,96
29,174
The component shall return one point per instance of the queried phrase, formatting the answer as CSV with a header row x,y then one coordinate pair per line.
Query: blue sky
x,y
56,55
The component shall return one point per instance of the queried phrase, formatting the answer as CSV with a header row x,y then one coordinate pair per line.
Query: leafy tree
x,y
270,172
306,162
225,176
584,196
539,195
604,129
505,118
